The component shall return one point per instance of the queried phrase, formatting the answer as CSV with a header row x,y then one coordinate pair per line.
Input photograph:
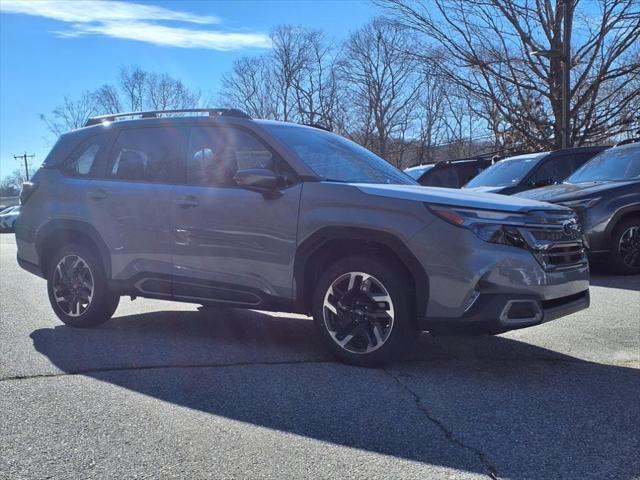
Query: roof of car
x,y
526,156
593,148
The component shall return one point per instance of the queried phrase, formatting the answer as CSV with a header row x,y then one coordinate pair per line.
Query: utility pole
x,y
564,54
24,157
566,71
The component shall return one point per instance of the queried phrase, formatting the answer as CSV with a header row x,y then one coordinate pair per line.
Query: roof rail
x,y
212,112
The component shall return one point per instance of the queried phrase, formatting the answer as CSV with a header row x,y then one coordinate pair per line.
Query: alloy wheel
x,y
73,285
629,246
358,312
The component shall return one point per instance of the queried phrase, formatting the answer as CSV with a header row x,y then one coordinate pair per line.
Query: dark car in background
x,y
605,194
533,170
448,173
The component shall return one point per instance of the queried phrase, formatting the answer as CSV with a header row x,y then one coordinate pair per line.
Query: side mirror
x,y
258,179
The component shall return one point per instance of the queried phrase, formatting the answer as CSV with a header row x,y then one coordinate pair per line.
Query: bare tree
x,y
164,92
138,88
381,76
296,81
133,85
72,114
485,49
107,99
430,115
316,83
290,55
248,86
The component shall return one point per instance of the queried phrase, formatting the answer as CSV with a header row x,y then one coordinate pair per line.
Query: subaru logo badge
x,y
570,228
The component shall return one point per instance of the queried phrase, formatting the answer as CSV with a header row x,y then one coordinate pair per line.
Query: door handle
x,y
97,194
187,202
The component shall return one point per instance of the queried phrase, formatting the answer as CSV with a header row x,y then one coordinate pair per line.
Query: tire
x,y
74,284
344,306
625,247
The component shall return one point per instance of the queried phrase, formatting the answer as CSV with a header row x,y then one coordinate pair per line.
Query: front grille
x,y
555,239
562,255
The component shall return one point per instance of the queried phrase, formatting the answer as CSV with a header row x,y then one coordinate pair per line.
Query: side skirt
x,y
202,292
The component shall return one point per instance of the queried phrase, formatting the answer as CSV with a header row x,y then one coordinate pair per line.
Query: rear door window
x,y
147,154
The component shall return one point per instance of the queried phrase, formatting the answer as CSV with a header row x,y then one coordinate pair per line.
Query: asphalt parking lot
x,y
166,391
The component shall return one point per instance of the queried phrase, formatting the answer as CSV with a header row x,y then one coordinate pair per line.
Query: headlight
x,y
489,225
581,204
464,217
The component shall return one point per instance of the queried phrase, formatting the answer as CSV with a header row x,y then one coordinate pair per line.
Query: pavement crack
x,y
483,458
89,371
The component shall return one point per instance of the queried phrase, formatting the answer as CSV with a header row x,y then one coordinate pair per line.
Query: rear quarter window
x,y
83,160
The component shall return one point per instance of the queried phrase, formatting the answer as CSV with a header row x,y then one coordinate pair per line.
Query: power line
x,y
24,157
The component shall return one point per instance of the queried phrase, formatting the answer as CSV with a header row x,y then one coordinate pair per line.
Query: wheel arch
x,y
332,243
57,233
630,211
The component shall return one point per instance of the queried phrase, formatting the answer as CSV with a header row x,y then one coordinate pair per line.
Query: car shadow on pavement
x,y
472,404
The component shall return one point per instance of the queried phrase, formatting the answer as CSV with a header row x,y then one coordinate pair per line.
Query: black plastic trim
x,y
320,238
67,228
484,316
30,267
635,208
199,291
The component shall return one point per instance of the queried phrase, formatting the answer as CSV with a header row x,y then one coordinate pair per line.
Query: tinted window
x,y
82,161
442,177
582,158
509,171
216,154
146,154
554,170
335,158
467,172
621,163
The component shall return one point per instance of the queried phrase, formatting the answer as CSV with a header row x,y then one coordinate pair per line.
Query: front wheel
x,y
625,247
362,309
77,288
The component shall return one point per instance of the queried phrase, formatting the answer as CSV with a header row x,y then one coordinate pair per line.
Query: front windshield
x,y
417,172
509,171
335,158
615,164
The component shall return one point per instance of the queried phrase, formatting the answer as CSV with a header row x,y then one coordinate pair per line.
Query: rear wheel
x,y
362,309
625,247
77,288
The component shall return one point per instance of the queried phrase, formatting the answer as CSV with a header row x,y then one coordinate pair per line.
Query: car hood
x,y
485,189
455,197
571,191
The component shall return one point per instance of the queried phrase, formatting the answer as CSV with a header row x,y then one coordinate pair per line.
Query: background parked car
x,y
8,218
534,170
605,193
450,173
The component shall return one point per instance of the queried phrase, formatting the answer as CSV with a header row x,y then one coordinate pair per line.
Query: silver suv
x,y
219,209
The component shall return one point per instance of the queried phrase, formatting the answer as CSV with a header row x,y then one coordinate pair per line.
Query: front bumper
x,y
470,282
498,313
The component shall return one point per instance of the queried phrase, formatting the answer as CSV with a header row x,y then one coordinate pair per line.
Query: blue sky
x,y
49,49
